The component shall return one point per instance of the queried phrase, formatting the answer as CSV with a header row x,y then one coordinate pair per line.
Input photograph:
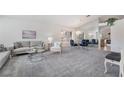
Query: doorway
x,y
105,38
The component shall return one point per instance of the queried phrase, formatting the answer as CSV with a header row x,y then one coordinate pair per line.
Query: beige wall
x,y
11,30
117,36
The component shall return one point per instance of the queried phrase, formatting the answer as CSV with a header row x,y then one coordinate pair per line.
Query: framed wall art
x,y
28,34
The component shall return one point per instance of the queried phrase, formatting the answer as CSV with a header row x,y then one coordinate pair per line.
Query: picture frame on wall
x,y
28,34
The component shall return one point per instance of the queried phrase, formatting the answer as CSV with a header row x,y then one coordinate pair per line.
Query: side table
x,y
11,51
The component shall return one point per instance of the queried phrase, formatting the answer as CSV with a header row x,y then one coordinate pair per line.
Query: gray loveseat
x,y
4,55
23,47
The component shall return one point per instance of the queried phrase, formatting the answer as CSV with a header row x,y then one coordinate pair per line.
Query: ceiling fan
x,y
88,15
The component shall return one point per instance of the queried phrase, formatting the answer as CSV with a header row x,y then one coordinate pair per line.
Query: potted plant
x,y
110,21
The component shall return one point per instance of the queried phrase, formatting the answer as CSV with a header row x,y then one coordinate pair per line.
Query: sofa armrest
x,y
10,48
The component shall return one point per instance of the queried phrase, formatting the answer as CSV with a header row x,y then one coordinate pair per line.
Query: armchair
x,y
56,47
84,43
94,41
117,59
72,43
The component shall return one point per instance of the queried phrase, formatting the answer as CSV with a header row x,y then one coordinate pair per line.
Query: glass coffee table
x,y
34,56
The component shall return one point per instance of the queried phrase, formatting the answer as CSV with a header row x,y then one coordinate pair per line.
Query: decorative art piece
x,y
110,21
28,34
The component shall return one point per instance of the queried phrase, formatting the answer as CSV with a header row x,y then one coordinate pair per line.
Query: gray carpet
x,y
73,62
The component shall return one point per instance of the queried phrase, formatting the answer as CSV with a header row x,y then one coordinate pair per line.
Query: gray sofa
x,y
23,47
4,55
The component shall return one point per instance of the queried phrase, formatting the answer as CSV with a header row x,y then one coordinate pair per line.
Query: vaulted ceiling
x,y
105,17
64,20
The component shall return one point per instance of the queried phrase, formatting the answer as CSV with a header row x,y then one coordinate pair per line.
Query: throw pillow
x,y
2,48
17,45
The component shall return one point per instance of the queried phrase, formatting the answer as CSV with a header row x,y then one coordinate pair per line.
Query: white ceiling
x,y
64,20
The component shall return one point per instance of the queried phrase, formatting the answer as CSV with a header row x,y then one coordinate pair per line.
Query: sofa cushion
x,y
36,44
2,48
17,45
57,44
21,44
1,45
22,49
3,57
25,43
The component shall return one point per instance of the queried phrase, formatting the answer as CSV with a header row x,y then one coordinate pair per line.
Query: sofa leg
x,y
120,74
105,64
10,56
121,70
